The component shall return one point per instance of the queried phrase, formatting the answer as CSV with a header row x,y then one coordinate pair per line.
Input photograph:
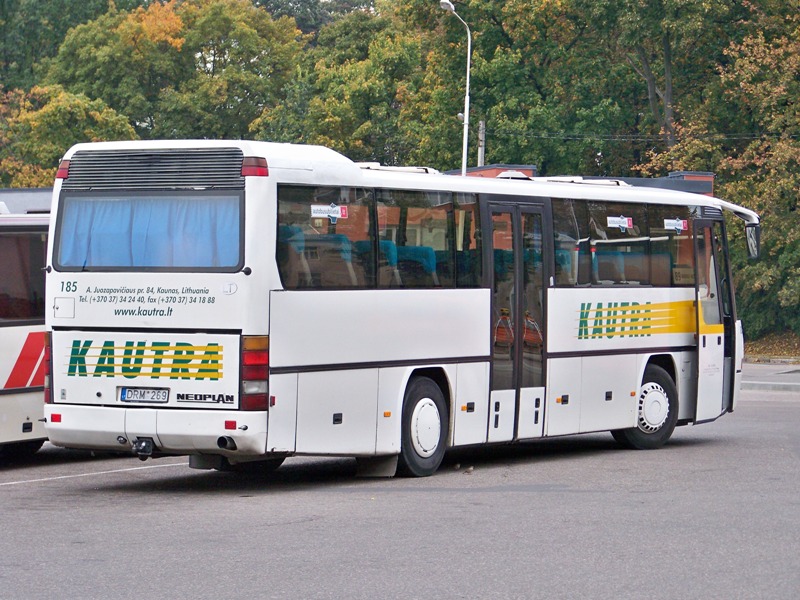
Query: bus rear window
x,y
152,231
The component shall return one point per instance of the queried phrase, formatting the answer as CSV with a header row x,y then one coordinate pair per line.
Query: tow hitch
x,y
143,448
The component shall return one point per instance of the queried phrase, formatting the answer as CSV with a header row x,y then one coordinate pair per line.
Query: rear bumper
x,y
20,416
172,431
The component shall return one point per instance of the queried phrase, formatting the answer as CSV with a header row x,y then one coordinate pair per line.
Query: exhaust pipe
x,y
226,442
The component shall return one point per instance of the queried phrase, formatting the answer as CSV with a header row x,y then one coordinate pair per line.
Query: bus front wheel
x,y
425,424
656,412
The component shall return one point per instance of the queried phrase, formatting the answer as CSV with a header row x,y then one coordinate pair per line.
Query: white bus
x,y
23,244
248,301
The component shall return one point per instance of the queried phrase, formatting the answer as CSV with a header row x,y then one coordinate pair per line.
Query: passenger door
x,y
516,409
715,322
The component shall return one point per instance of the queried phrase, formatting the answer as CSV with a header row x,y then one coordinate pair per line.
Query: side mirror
x,y
752,233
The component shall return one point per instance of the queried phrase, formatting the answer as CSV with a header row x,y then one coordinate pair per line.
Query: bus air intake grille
x,y
709,212
184,168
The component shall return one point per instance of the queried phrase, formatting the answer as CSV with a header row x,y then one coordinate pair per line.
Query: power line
x,y
648,138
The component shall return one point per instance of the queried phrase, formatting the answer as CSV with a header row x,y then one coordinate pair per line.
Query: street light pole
x,y
448,6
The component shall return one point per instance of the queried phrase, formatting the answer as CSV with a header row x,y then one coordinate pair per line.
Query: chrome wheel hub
x,y
653,407
426,427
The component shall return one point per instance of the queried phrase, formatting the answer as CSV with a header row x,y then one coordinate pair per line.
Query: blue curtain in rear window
x,y
150,232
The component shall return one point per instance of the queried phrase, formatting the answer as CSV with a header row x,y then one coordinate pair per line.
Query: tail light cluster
x,y
48,372
255,166
255,372
63,170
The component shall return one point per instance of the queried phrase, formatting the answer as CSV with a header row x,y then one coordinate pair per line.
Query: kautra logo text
x,y
598,320
612,319
178,360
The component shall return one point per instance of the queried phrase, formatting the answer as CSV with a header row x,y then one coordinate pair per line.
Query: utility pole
x,y
481,143
448,6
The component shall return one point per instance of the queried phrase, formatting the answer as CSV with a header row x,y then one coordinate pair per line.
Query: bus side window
x,y
671,246
21,277
466,236
417,265
620,243
420,227
291,256
346,237
325,237
571,236
388,275
660,270
330,258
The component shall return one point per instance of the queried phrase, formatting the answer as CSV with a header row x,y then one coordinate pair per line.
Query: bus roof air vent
x,y
582,180
512,175
374,166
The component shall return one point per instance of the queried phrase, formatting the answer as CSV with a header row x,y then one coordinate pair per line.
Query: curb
x,y
770,386
772,360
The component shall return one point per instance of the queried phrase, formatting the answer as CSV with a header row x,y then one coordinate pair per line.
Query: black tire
x,y
425,427
656,412
21,449
255,467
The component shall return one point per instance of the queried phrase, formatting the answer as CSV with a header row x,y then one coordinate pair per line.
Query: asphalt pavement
x,y
772,376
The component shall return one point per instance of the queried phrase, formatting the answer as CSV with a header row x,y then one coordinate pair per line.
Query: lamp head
x,y
447,5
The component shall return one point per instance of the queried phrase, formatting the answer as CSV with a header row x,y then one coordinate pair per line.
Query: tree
x,y
243,58
196,68
32,30
543,79
352,100
40,125
674,46
125,59
312,15
763,79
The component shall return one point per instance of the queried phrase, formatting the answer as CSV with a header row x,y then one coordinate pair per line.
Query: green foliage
x,y
125,58
33,29
312,15
600,87
760,80
242,60
354,101
197,68
764,79
39,126
309,15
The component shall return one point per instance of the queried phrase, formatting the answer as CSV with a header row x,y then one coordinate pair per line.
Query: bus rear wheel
x,y
656,412
425,425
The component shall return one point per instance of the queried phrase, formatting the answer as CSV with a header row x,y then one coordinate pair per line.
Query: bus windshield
x,y
195,231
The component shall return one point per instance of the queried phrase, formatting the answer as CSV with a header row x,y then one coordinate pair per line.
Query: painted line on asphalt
x,y
183,464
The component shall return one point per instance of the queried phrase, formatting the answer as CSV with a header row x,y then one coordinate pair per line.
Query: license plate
x,y
128,394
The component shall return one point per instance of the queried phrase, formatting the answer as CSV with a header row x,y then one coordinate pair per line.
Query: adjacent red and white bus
x,y
23,244
247,301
